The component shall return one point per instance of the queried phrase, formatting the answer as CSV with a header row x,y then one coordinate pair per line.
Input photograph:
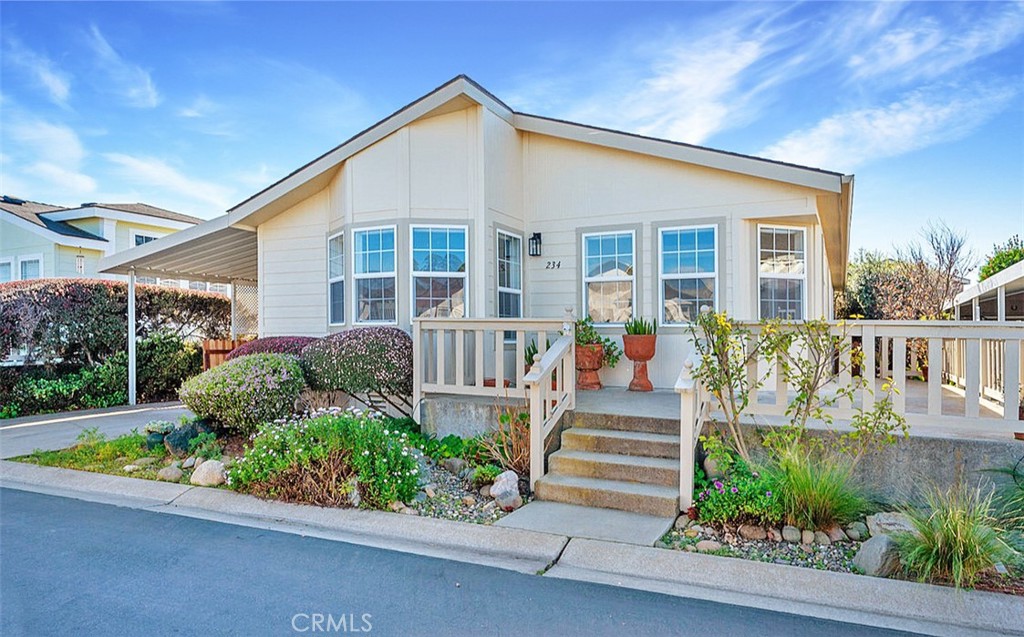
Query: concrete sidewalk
x,y
908,606
20,436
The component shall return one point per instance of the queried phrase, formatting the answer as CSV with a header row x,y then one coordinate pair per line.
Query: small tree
x,y
1002,257
934,273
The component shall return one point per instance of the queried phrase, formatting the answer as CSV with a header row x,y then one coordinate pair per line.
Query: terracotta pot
x,y
491,382
639,348
1019,435
589,359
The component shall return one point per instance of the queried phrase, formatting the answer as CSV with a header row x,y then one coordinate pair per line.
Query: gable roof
x,y
141,209
32,211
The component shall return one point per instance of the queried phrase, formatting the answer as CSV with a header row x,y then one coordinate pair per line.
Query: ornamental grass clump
x,y
371,363
341,458
272,345
246,392
957,537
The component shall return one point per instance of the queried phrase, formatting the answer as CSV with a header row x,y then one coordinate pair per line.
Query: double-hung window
x,y
688,272
609,277
6,270
373,256
439,271
510,275
336,279
782,272
30,267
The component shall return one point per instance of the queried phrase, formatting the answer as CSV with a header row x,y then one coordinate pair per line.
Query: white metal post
x,y
234,315
131,336
1001,303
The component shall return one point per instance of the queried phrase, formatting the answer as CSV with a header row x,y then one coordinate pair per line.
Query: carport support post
x,y
131,336
234,319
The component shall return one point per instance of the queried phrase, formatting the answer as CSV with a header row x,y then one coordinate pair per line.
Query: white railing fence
x,y
693,411
551,390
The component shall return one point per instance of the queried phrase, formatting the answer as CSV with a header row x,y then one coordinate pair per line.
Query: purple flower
x,y
718,485
768,493
735,490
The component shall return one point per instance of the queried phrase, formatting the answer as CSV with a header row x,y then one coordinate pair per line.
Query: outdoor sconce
x,y
535,244
80,264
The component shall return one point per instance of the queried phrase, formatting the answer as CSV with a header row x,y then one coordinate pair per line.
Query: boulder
x,y
485,491
858,531
209,474
189,463
836,534
708,545
807,536
169,474
878,556
505,491
791,534
176,442
751,532
154,440
775,535
890,522
822,538
454,466
711,469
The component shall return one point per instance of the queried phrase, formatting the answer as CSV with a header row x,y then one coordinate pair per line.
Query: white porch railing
x,y
551,386
693,411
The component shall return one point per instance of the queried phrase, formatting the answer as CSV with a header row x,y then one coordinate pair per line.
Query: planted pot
x,y
639,348
589,359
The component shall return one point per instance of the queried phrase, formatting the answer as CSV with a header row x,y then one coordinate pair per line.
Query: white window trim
x,y
585,279
788,276
518,291
374,275
413,271
132,233
697,275
14,273
29,257
341,277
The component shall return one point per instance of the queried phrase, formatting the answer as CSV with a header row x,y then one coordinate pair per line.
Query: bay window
x,y
373,257
688,271
609,277
439,271
782,272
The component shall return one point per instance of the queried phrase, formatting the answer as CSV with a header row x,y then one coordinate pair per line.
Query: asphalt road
x,y
69,567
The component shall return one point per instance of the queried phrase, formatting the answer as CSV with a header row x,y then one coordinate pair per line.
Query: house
x,y
39,240
998,298
457,205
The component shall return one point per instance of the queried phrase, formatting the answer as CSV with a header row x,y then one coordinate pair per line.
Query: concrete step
x,y
649,499
615,422
613,466
629,443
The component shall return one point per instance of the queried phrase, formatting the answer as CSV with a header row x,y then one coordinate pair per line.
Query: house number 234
x,y
553,265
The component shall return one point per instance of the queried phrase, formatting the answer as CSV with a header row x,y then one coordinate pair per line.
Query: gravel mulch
x,y
455,499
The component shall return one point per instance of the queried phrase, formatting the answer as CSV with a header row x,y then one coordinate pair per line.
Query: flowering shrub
x,y
380,458
745,496
373,361
85,320
246,392
272,344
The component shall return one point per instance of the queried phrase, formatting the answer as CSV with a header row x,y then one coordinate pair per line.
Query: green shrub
x,y
272,345
205,445
246,392
372,361
486,474
956,537
744,496
1002,257
380,458
815,490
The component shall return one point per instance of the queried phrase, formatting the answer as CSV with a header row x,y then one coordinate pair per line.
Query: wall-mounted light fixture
x,y
80,264
534,244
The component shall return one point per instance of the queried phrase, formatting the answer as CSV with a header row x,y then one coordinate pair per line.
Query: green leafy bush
x,y
486,474
205,445
272,345
1002,257
743,496
815,490
587,334
372,361
379,457
956,537
246,392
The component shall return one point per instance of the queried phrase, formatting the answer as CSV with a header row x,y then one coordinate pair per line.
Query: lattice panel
x,y
246,310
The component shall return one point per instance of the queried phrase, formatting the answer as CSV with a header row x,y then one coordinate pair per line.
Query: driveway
x,y
19,436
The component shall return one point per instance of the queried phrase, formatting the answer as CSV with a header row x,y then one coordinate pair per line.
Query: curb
x,y
513,549
885,603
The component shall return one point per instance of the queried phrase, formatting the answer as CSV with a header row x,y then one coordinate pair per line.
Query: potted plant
x,y
529,352
639,343
593,352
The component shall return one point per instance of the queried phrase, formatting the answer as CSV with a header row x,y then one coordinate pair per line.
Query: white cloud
x,y
49,153
41,69
130,81
200,107
923,118
156,173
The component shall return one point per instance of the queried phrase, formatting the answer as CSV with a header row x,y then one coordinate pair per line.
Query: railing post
x,y
417,371
867,366
934,376
687,416
536,429
1011,379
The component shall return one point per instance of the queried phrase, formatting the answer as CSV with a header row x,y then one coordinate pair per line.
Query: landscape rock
x,y
708,545
189,463
888,523
353,494
822,538
469,500
176,442
858,531
807,536
775,535
485,491
169,474
209,474
711,469
198,462
410,511
836,534
878,556
691,532
454,465
130,468
421,496
751,532
154,440
791,534
429,491
145,462
397,506
505,491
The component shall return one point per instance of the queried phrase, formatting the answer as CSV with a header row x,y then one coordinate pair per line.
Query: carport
x,y
214,251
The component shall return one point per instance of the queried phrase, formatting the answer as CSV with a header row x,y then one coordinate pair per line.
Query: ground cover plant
x,y
94,452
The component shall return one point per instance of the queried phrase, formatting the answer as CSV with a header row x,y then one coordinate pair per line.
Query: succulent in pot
x,y
639,343
593,352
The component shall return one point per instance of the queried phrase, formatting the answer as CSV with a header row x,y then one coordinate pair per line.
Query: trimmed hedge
x,y
374,361
85,320
272,345
246,392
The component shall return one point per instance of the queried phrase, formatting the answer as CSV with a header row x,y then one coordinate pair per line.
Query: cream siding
x,y
18,242
66,258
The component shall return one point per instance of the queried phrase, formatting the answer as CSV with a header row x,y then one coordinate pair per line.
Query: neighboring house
x,y
43,241
998,298
457,205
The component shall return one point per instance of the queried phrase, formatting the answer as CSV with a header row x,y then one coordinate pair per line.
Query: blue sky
x,y
196,106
